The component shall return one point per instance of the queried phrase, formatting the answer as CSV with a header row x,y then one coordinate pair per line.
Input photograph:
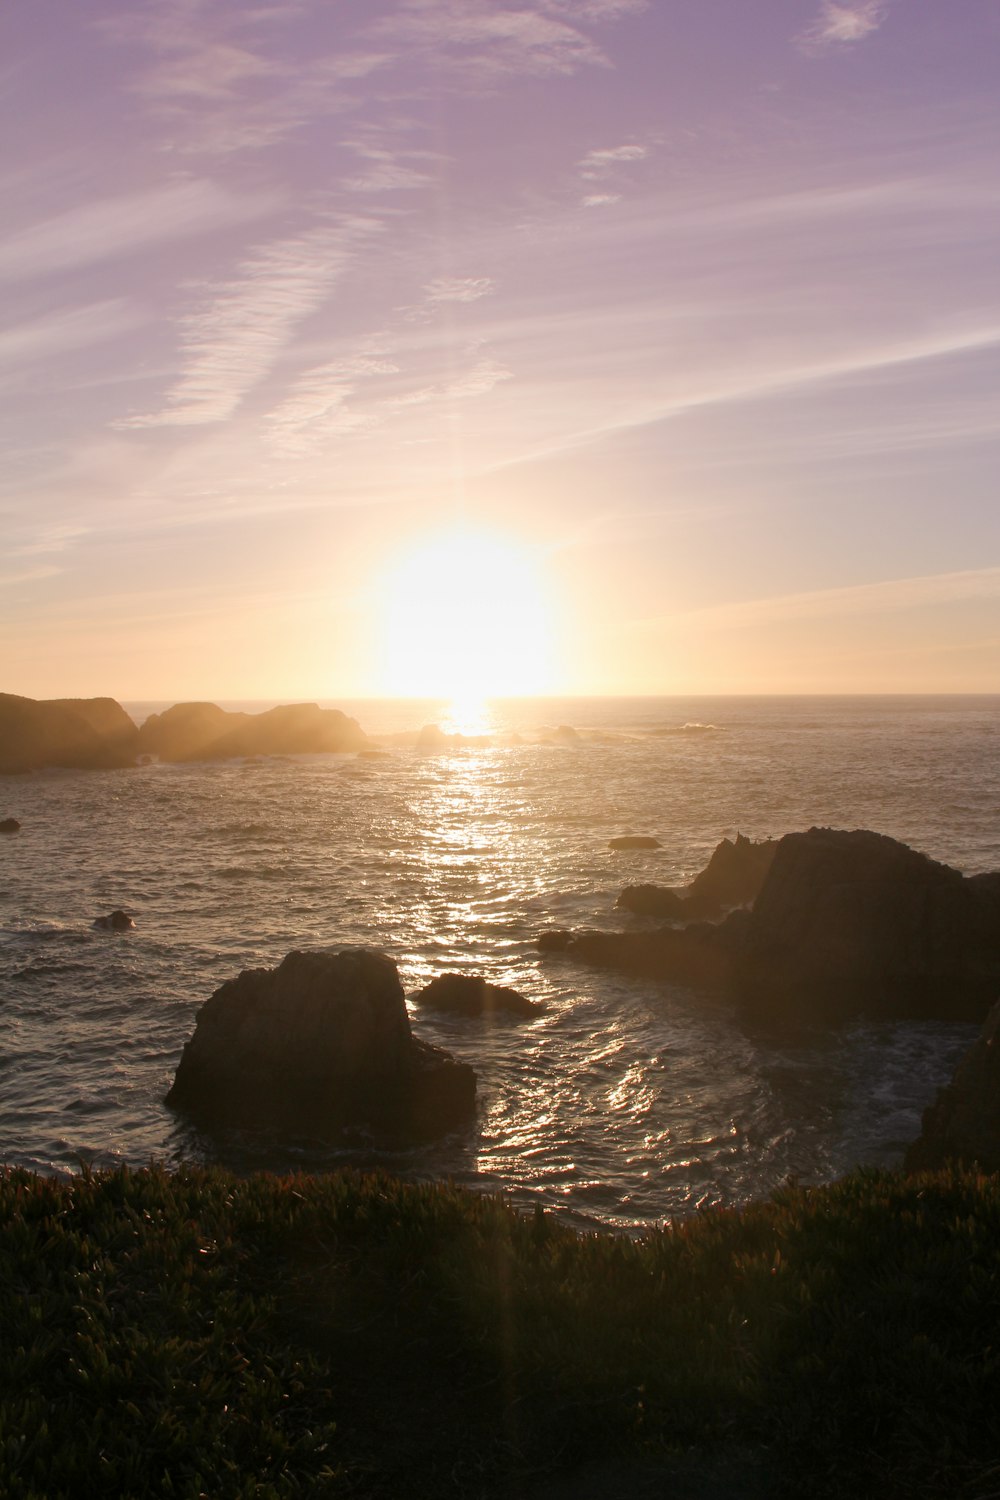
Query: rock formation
x,y
76,733
634,841
857,922
321,1042
845,923
963,1124
203,731
116,921
471,995
9,825
732,877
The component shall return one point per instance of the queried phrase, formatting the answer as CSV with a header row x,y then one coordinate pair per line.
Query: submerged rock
x,y
321,1042
471,995
116,921
963,1123
9,825
554,940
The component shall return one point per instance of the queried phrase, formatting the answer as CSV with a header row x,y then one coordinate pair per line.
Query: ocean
x,y
624,1102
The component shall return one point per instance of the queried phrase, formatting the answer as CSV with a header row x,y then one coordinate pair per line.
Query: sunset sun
x,y
466,616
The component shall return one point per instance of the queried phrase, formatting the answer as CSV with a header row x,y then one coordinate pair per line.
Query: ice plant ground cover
x,y
193,1332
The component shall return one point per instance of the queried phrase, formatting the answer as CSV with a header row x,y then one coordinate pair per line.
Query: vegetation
x,y
194,1334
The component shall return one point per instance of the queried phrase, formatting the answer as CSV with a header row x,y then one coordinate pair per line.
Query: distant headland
x,y
97,734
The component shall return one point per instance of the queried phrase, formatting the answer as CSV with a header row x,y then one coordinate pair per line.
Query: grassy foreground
x,y
191,1333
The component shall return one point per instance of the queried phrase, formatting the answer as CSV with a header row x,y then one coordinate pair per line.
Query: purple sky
x,y
686,312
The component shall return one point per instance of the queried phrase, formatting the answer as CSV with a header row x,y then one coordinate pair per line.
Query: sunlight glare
x,y
466,617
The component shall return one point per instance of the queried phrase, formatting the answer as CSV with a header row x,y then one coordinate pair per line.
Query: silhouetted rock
x,y
432,740
203,731
732,877
321,1042
963,1123
9,825
851,922
555,940
701,953
471,995
76,733
634,841
116,921
844,924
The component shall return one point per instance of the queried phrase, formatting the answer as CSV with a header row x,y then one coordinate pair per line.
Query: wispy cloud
x,y
597,163
71,328
859,599
386,170
317,407
839,23
600,200
112,228
478,42
459,288
232,341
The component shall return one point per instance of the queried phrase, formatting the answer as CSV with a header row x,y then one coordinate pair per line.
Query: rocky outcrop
x,y
732,877
319,1043
116,921
76,733
203,731
9,825
845,923
702,953
963,1124
471,995
850,922
634,841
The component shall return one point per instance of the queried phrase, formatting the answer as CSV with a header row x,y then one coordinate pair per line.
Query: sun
x,y
466,616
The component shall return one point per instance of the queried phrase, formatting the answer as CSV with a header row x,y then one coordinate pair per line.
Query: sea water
x,y
623,1102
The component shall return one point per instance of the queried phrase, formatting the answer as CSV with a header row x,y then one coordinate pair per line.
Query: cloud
x,y
597,163
230,344
386,170
60,332
478,42
115,227
857,599
316,407
459,288
600,200
844,23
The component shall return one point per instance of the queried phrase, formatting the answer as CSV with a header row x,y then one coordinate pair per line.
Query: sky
x,y
356,347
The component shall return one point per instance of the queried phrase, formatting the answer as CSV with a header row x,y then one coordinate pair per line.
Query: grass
x,y
194,1334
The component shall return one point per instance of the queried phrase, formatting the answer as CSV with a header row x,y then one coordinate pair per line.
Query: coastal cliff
x,y
88,734
96,734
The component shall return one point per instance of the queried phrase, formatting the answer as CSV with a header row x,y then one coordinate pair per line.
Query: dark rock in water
x,y
77,733
203,731
116,921
845,924
963,1124
432,739
471,995
9,825
634,841
854,922
701,953
653,901
319,1043
555,940
732,877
